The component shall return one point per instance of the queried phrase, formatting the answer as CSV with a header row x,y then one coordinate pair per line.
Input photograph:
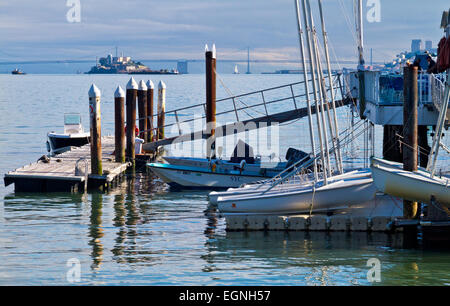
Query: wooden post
x,y
132,87
119,124
210,60
161,109
423,144
150,89
410,127
96,130
391,144
142,107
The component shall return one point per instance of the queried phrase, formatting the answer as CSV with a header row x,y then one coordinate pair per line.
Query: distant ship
x,y
17,71
236,70
124,65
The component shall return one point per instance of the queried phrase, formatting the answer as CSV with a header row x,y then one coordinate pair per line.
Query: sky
x,y
177,29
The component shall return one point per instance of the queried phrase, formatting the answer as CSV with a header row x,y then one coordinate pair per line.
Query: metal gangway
x,y
260,108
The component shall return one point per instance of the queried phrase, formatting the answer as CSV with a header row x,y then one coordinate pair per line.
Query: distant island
x,y
124,65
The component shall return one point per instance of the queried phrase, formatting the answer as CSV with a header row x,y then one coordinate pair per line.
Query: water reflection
x,y
210,231
96,230
315,258
119,221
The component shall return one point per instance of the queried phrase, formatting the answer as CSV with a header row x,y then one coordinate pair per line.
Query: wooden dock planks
x,y
60,174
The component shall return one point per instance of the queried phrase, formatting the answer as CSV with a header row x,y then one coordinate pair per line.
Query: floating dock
x,y
379,215
69,171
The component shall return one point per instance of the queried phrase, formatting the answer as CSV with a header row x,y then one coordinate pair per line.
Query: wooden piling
x,y
151,132
131,94
391,143
410,128
210,61
96,131
119,124
142,108
423,145
161,109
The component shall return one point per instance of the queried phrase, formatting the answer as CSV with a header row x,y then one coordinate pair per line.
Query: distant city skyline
x,y
175,29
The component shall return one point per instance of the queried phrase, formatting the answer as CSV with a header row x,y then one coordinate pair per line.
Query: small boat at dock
x,y
73,136
191,172
418,186
182,177
339,193
268,169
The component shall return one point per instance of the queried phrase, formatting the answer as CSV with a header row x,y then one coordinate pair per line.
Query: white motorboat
x,y
203,178
268,169
303,198
190,172
390,178
73,136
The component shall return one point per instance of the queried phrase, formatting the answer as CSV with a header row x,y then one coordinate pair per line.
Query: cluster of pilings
x,y
141,94
126,129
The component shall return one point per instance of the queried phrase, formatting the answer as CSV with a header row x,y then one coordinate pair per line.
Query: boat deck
x,y
66,172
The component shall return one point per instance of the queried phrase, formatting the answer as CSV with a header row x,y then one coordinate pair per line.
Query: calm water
x,y
142,234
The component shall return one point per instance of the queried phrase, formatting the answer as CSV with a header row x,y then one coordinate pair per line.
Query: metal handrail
x,y
234,109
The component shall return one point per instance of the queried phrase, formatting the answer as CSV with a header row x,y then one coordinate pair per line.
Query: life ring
x,y
136,130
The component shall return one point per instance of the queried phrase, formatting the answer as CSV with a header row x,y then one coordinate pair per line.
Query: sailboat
x,y
236,69
321,191
417,186
421,185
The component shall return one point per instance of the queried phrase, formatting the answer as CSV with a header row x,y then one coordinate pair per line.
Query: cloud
x,y
33,29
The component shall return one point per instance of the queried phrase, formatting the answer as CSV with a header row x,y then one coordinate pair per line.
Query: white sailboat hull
x,y
390,178
259,188
336,195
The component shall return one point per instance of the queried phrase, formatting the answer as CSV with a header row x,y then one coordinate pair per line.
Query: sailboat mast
x,y
333,102
316,99
360,33
306,79
322,94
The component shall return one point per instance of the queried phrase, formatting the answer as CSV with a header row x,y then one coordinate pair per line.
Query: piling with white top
x,y
95,130
142,108
161,109
119,112
150,90
131,94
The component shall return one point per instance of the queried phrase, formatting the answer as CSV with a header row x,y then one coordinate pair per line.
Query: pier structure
x,y
407,105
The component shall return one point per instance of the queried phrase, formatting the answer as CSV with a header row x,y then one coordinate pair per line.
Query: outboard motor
x,y
294,155
241,152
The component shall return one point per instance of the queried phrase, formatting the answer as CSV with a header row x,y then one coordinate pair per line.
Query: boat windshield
x,y
72,119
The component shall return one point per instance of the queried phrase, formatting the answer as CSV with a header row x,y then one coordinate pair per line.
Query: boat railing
x,y
238,108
